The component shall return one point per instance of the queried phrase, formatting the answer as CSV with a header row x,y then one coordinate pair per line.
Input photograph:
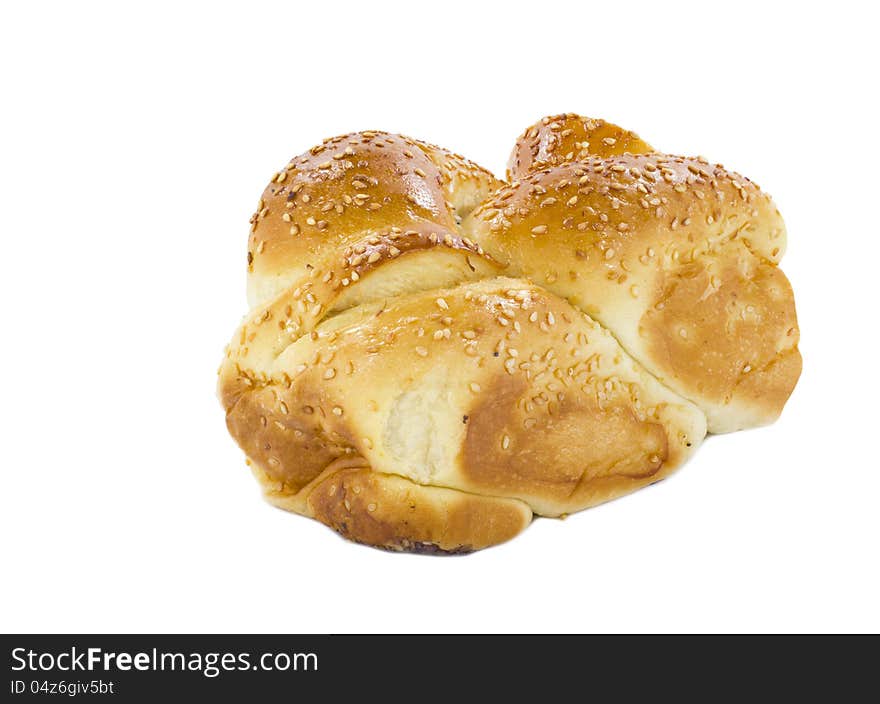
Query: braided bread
x,y
432,355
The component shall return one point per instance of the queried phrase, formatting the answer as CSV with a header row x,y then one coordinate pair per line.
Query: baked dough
x,y
432,356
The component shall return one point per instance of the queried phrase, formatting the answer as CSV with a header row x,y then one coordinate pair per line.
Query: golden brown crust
x,y
348,188
554,456
394,513
557,139
655,247
716,326
291,441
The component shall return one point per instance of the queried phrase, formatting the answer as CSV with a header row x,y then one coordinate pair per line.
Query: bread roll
x,y
432,356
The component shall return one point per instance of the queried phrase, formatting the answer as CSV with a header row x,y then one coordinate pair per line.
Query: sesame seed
x,y
505,442
310,221
330,373
474,387
421,351
374,257
442,304
539,230
609,253
337,411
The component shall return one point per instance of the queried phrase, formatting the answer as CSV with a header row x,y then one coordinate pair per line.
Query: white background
x,y
135,144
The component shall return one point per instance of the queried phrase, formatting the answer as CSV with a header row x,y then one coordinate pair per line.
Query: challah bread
x,y
423,373
677,257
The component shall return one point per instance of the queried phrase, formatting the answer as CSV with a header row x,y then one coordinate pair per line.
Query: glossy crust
x,y
557,139
677,257
347,189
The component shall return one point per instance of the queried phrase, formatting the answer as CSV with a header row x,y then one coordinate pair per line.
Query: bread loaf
x,y
432,356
